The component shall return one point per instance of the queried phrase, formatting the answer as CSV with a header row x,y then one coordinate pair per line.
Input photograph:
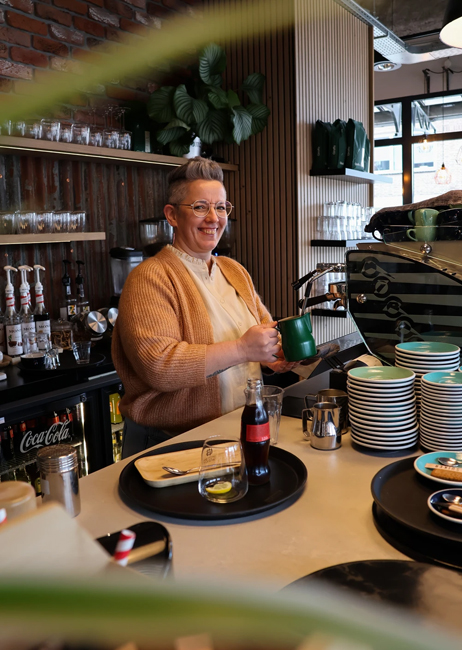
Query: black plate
x,y
400,583
402,494
67,363
288,478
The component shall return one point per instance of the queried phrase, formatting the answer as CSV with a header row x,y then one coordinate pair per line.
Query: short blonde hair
x,y
196,169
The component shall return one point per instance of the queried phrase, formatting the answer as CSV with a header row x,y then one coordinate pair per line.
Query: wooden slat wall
x,y
332,59
264,189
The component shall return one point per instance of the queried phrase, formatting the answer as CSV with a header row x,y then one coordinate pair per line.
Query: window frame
x,y
407,139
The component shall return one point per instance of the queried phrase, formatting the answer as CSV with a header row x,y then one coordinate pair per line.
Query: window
x,y
426,132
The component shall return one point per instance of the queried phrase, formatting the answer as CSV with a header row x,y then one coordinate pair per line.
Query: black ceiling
x,y
408,17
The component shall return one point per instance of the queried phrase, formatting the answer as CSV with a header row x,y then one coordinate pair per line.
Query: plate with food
x,y
429,466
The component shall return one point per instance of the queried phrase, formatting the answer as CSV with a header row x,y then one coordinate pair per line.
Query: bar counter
x,y
330,523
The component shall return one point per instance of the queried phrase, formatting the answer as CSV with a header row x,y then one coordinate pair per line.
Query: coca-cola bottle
x,y
255,434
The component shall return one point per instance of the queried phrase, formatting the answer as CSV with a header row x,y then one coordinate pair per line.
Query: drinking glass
x,y
7,128
60,221
25,222
43,341
111,139
33,129
76,221
272,401
125,140
29,342
18,128
81,134
43,222
81,350
96,136
50,130
7,223
222,474
66,132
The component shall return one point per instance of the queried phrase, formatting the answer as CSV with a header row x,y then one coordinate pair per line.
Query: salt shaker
x,y
59,475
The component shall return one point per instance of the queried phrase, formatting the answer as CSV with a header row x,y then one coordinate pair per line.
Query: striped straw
x,y
124,546
2,516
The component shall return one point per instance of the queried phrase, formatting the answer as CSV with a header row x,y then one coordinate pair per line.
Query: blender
x,y
123,260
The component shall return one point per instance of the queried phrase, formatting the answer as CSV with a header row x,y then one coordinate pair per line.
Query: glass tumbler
x,y
61,221
111,139
7,223
50,130
43,222
66,132
81,350
76,221
96,136
25,222
33,129
125,140
272,400
81,134
222,474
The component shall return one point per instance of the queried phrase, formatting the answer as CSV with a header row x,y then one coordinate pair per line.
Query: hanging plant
x,y
202,108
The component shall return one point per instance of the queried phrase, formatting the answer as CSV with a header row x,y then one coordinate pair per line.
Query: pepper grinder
x,y
59,475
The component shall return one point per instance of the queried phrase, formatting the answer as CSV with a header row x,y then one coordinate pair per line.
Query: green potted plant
x,y
202,108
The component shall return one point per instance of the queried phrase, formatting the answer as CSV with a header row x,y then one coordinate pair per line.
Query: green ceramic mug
x,y
297,338
425,220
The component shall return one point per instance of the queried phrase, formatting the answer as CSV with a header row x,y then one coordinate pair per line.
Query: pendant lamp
x,y
442,176
451,34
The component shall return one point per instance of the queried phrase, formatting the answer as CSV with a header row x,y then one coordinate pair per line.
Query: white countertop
x,y
330,523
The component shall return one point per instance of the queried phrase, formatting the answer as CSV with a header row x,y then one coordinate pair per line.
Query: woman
x,y
191,328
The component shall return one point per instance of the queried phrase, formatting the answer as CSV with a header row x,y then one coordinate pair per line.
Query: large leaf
x,y
173,131
259,113
242,121
187,108
233,99
253,86
215,127
181,146
160,104
212,63
217,97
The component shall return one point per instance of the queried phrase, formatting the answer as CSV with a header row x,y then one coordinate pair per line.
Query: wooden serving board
x,y
150,468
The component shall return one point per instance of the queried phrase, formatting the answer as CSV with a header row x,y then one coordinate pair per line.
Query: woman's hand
x,y
281,365
260,343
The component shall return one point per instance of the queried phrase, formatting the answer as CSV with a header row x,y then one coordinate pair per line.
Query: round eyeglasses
x,y
202,207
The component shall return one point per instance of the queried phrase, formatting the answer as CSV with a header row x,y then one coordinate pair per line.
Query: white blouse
x,y
230,319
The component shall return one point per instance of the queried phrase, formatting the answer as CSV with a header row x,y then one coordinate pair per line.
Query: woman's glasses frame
x,y
201,208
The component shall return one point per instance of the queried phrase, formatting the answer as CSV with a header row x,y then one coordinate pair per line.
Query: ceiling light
x,y
442,176
451,34
381,64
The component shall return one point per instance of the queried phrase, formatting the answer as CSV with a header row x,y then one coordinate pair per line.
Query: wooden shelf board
x,y
31,147
351,176
51,238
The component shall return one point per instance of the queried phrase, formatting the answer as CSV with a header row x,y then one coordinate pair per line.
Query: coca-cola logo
x,y
58,432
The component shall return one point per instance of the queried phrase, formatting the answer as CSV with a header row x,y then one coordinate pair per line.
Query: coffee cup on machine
x,y
425,220
297,338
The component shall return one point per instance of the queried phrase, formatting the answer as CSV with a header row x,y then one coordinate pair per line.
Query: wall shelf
x,y
329,313
351,176
339,243
51,238
44,148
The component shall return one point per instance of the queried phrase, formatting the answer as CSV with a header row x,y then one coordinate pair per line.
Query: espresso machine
x,y
123,260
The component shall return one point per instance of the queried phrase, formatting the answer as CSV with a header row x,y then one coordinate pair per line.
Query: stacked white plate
x,y
382,409
426,356
441,413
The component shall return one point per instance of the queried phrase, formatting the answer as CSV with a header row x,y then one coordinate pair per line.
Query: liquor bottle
x,y
255,434
83,306
41,315
25,313
2,333
6,450
68,305
22,434
12,320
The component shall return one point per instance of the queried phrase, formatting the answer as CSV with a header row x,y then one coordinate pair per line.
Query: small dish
x,y
33,360
438,506
428,347
444,380
421,461
389,374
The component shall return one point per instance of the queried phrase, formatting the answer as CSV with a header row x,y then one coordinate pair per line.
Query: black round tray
x,y
288,478
67,363
403,518
400,583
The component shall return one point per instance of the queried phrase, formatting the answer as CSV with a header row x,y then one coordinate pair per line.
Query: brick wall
x,y
39,36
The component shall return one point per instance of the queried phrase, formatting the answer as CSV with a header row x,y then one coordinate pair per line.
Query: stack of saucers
x,y
382,408
441,414
426,356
